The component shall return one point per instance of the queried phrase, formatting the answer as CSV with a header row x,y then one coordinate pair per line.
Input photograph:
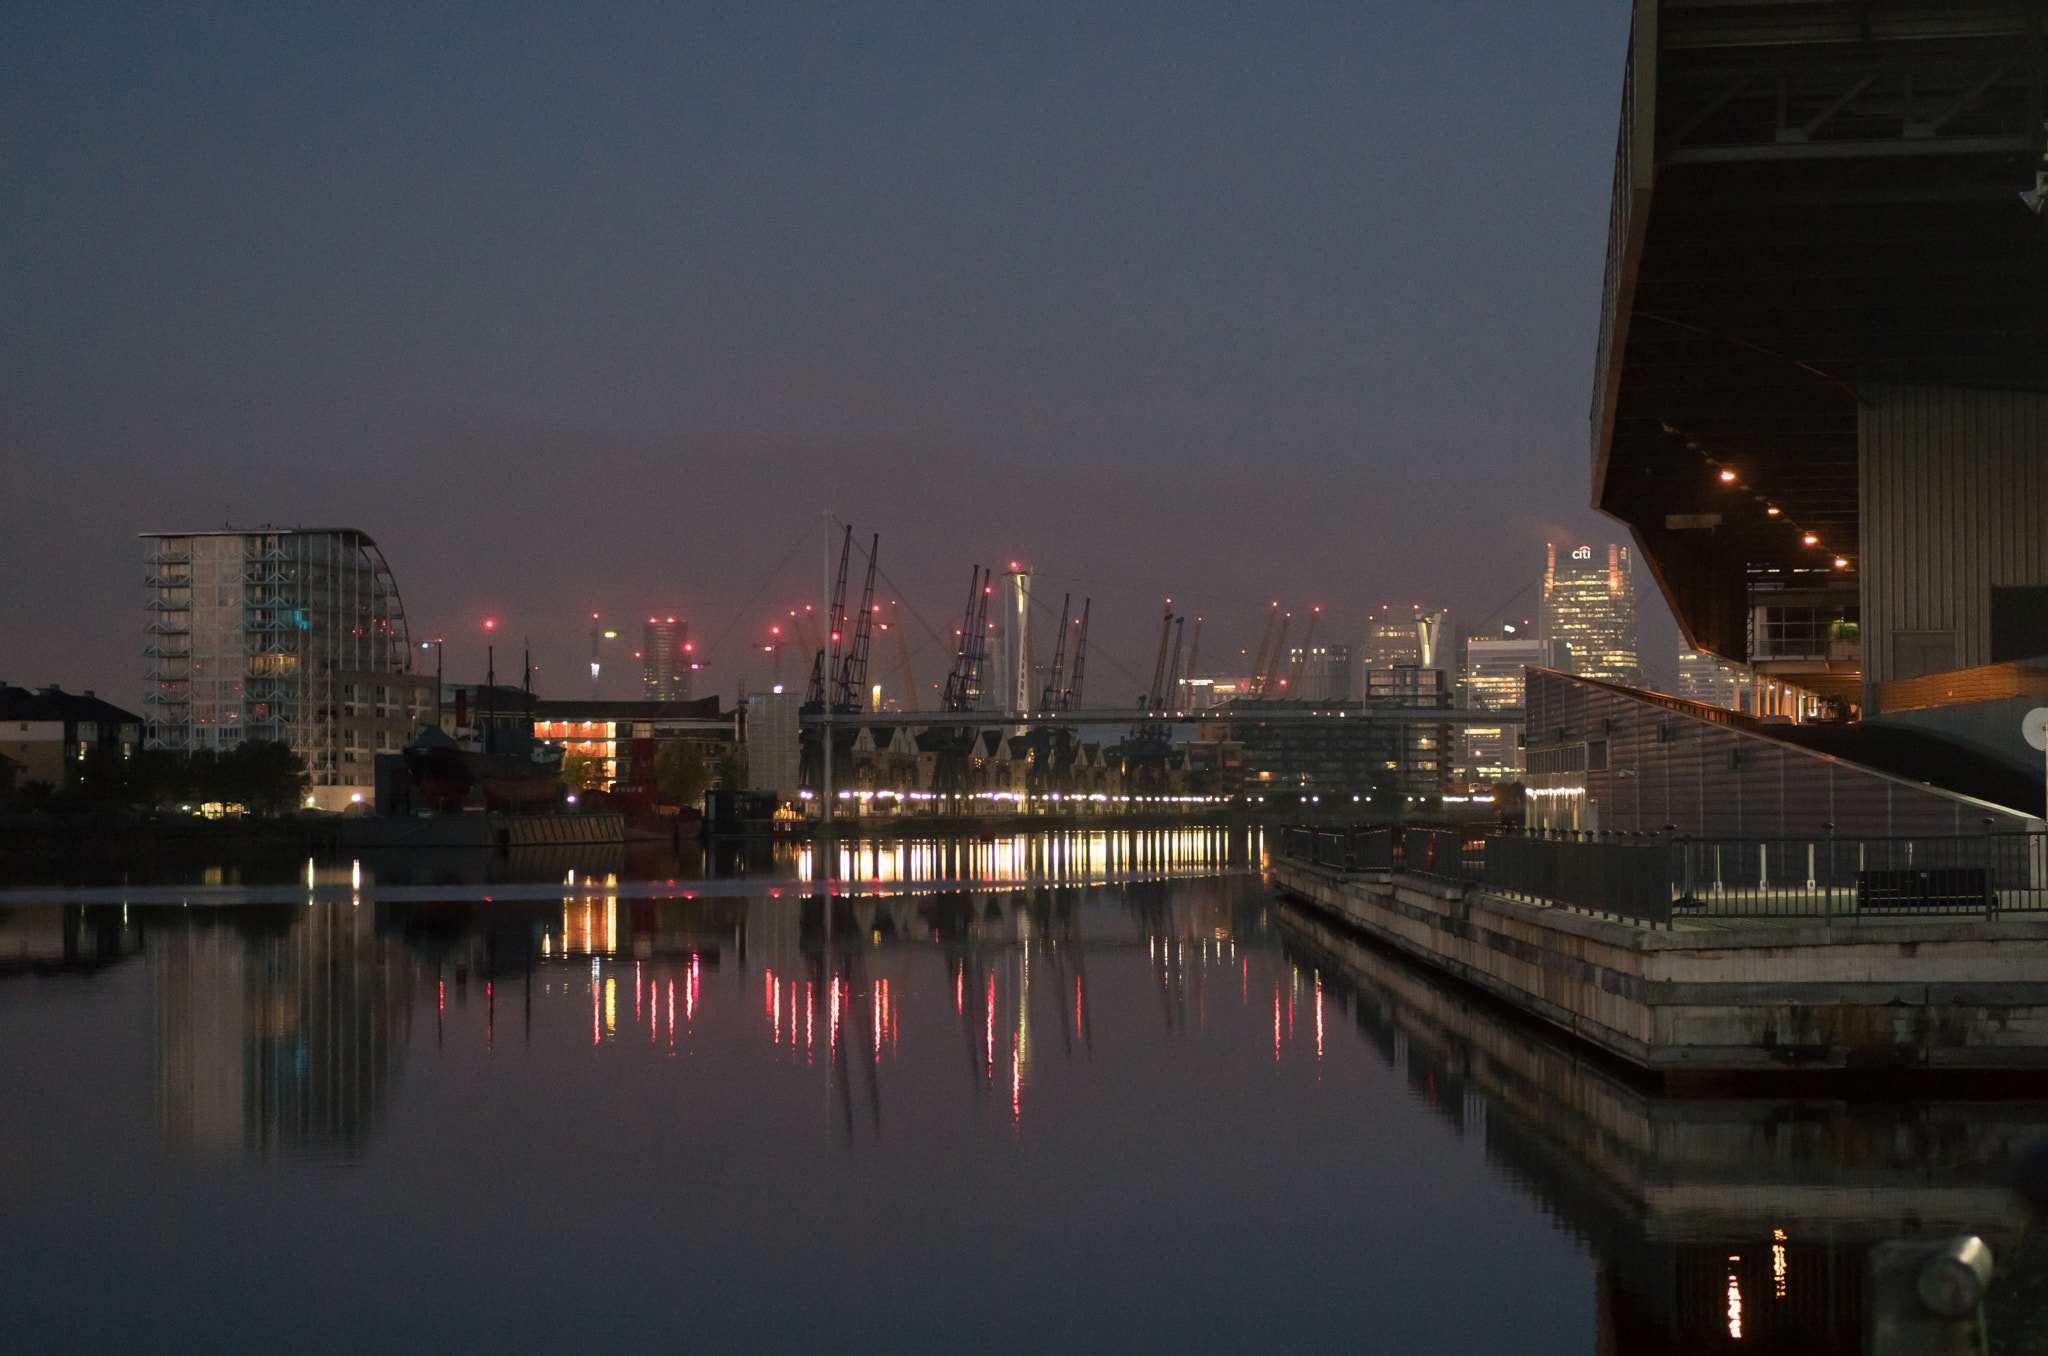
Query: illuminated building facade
x,y
1415,759
1390,639
1496,675
668,661
292,635
624,737
1709,680
1589,612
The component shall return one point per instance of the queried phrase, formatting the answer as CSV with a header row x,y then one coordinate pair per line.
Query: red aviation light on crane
x,y
490,623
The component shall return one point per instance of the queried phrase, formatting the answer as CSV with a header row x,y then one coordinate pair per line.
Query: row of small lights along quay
x,y
1808,538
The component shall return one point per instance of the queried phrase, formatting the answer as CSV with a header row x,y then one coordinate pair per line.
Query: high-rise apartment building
x,y
1414,637
1589,613
1325,672
1390,639
668,661
1496,676
1709,679
292,635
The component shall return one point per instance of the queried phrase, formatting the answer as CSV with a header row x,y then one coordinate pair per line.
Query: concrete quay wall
x,y
1930,994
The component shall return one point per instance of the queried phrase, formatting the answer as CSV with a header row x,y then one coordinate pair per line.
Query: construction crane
x,y
1300,665
963,684
1258,673
1173,671
801,633
1279,652
1194,655
1050,698
1156,697
852,698
895,623
824,667
1071,698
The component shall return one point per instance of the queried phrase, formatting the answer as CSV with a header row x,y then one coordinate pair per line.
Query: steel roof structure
x,y
1811,198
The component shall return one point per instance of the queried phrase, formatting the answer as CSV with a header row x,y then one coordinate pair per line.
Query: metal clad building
x,y
1608,759
1954,490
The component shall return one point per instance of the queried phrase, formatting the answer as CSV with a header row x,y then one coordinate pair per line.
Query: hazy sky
x,y
599,307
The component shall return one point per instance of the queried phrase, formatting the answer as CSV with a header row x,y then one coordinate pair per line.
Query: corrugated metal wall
x,y
1663,770
1954,500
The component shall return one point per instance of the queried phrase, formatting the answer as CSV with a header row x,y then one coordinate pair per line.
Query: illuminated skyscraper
x,y
1589,613
1704,678
668,662
1496,671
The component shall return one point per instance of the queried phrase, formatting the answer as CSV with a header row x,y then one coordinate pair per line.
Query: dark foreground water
x,y
1148,1109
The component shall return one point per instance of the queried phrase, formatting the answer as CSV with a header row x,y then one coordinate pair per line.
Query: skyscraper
x,y
291,635
1589,613
668,662
1496,675
1706,678
1325,672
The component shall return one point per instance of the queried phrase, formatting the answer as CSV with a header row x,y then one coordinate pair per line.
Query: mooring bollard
x,y
1927,1299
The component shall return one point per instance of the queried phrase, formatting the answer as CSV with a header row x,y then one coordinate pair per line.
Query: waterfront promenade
x,y
1688,994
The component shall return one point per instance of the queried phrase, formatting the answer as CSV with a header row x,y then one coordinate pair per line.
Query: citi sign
x,y
1583,553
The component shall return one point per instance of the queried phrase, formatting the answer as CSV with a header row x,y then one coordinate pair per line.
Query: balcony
x,y
162,558
173,625
168,605
169,581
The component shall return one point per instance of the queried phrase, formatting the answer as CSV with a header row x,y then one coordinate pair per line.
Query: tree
x,y
680,774
581,772
261,775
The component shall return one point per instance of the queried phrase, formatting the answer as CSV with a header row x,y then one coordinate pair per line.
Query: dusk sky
x,y
600,307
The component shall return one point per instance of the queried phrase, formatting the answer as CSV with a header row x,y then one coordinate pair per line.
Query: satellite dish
x,y
2034,726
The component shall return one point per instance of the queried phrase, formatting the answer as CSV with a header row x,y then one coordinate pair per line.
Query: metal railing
x,y
1654,880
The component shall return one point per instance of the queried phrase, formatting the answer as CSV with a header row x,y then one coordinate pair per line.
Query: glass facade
x,y
1589,612
292,636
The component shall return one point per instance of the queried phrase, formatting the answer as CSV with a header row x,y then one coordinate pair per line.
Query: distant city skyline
x,y
1194,309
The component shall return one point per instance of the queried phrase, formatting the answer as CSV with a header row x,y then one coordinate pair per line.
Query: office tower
x,y
668,661
774,746
1589,612
1705,678
1390,639
291,635
1496,676
1325,672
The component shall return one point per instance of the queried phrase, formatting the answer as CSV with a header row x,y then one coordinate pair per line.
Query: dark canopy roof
x,y
1810,198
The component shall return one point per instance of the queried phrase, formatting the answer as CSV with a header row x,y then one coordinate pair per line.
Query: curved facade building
x,y
291,635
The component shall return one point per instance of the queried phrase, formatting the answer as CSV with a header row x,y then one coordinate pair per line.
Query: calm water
x,y
1056,1097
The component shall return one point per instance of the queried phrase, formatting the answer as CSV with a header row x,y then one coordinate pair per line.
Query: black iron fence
x,y
1653,879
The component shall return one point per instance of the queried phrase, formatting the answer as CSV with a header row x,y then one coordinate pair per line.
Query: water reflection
x,y
280,1030
1094,856
1085,1048
1716,1221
